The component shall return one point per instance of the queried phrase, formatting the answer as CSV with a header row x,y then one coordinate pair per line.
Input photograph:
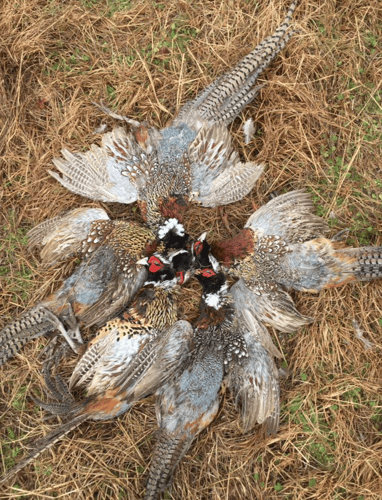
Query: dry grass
x,y
319,127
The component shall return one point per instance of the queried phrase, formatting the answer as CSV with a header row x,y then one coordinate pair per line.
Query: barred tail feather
x,y
32,325
44,444
11,348
224,99
369,262
169,451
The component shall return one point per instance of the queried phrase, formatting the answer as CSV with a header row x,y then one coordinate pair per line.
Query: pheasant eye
x,y
198,247
155,264
207,273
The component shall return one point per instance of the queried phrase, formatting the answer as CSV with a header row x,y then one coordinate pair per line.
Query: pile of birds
x,y
128,283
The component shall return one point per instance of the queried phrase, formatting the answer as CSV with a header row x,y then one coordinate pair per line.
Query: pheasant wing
x,y
217,177
255,383
61,237
289,216
157,362
109,277
270,304
112,172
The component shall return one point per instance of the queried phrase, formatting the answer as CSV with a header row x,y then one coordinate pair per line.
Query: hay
x,y
318,123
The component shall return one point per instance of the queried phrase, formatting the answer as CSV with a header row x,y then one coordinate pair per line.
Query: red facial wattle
x,y
155,264
207,273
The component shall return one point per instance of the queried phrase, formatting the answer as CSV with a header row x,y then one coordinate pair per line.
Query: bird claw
x,y
76,334
72,335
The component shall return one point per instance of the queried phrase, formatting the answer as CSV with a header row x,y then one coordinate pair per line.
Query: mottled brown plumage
x,y
106,280
283,247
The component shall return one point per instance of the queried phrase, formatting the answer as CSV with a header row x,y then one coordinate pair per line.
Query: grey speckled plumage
x,y
106,280
146,164
282,247
188,402
186,405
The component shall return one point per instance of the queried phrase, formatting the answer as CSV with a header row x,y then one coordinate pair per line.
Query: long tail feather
x,y
169,451
32,325
223,100
369,262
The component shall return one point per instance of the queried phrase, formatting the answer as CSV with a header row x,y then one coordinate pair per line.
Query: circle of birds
x,y
129,279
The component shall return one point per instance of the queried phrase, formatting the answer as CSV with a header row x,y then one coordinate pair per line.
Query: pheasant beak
x,y
180,276
142,262
183,276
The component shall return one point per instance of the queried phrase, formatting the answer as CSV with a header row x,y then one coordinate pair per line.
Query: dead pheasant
x,y
146,339
282,247
191,159
154,310
101,286
189,401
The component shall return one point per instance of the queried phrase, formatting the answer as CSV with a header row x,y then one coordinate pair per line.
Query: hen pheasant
x,y
189,401
145,342
282,247
191,159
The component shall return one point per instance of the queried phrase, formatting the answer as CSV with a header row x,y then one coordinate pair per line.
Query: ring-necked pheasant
x,y
119,341
282,247
189,401
99,288
191,159
146,338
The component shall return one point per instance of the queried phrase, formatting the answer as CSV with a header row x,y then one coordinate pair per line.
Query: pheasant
x,y
191,159
119,341
102,285
146,336
282,247
189,401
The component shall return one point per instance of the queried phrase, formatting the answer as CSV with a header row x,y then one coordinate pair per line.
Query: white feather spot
x,y
248,130
214,263
213,300
100,129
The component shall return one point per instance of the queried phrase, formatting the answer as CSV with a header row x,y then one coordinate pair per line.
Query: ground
x,y
318,127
